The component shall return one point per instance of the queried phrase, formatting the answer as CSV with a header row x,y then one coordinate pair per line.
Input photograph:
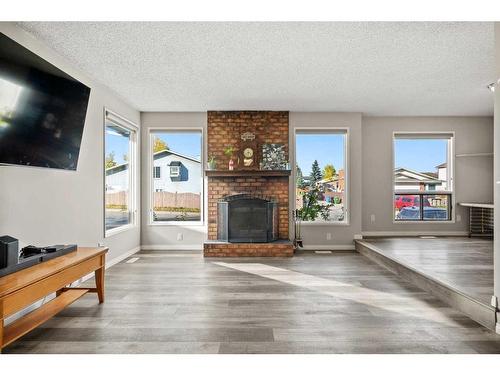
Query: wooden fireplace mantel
x,y
248,173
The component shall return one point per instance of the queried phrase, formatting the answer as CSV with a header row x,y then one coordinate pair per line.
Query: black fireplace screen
x,y
245,218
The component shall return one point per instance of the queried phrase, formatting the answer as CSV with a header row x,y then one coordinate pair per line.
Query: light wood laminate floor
x,y
463,263
328,303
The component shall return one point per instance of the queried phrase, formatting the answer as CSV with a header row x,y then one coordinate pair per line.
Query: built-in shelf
x,y
472,155
248,173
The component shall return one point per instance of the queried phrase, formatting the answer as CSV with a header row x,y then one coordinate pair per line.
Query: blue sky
x,y
326,148
421,155
185,143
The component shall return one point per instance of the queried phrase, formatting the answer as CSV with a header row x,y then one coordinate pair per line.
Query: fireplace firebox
x,y
246,218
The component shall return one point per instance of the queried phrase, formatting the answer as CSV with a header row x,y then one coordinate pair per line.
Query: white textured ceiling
x,y
376,68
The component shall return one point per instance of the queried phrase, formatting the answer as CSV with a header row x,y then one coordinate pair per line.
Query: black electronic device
x,y
42,110
9,251
12,261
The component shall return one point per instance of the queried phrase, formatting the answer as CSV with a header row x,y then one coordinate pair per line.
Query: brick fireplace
x,y
225,129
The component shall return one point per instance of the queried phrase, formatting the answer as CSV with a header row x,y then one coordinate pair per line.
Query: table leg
x,y
1,326
99,283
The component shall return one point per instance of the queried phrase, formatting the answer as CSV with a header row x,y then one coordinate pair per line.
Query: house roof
x,y
408,175
117,168
156,155
442,165
163,153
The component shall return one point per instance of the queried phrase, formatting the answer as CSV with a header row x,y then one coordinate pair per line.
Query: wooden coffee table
x,y
21,289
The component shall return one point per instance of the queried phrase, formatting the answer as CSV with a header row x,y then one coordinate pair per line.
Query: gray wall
x,y
473,175
42,206
165,236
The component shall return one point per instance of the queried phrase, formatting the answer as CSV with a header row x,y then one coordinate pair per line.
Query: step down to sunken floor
x,y
480,312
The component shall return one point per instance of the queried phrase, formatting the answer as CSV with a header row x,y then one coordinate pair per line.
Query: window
x,y
156,172
321,176
119,167
176,195
423,177
175,171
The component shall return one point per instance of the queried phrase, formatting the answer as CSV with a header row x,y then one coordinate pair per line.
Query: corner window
x,y
320,175
423,177
119,166
176,194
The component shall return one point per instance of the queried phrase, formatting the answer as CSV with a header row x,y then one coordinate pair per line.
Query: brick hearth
x,y
225,129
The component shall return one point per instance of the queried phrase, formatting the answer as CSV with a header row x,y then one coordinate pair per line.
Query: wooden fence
x,y
166,199
161,199
116,198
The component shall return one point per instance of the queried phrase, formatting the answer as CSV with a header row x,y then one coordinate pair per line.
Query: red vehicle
x,y
408,201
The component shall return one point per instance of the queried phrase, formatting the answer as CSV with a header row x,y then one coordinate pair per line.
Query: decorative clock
x,y
248,154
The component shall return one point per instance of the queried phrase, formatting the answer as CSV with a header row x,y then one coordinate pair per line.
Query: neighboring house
x,y
116,178
333,187
443,176
409,180
172,172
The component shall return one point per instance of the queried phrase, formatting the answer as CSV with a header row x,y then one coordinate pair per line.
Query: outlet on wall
x,y
328,236
180,237
459,218
372,218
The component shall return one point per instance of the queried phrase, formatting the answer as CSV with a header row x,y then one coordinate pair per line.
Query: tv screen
x,y
42,110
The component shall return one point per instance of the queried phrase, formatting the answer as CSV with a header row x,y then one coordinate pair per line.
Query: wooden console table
x,y
20,289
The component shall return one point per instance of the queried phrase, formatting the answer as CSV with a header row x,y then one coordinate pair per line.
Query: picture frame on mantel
x,y
274,156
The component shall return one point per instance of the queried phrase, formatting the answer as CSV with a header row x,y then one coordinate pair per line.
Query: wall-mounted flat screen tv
x,y
42,110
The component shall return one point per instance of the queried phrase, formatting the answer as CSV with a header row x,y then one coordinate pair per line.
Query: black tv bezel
x,y
89,93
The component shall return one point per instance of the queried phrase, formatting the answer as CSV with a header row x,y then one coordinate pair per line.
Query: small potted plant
x,y
229,151
212,163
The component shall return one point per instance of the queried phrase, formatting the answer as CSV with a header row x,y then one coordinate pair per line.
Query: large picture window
x,y
321,176
423,177
176,170
119,167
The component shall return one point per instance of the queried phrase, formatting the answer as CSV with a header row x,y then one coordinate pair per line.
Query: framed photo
x,y
273,156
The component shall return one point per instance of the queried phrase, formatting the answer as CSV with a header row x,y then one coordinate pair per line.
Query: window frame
x,y
133,128
347,174
150,184
451,174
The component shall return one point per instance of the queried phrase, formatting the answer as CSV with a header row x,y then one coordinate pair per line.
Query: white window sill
x,y
325,223
115,231
424,222
176,223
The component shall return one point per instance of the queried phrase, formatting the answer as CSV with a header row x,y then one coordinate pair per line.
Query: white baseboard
x,y
327,247
173,247
123,256
414,233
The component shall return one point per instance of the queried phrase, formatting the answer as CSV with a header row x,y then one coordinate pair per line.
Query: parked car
x,y
408,201
430,213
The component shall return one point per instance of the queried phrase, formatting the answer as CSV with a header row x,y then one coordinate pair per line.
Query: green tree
x,y
316,174
159,145
300,183
312,206
109,161
329,171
